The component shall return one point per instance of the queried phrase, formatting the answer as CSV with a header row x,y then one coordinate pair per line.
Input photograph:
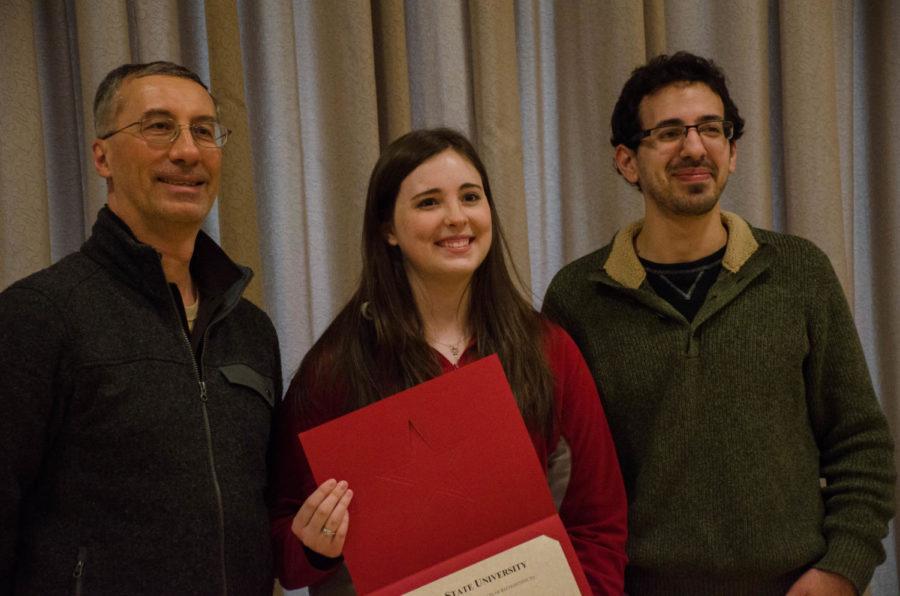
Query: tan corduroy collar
x,y
624,266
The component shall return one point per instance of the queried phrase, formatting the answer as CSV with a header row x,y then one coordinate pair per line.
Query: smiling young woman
x,y
441,224
436,293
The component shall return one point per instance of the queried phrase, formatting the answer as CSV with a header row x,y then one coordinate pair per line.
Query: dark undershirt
x,y
685,285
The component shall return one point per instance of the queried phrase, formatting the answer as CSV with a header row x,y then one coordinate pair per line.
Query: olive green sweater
x,y
751,441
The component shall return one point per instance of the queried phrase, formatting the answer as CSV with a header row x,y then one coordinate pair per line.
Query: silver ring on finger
x,y
328,532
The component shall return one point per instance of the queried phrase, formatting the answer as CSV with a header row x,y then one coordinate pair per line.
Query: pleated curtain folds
x,y
313,89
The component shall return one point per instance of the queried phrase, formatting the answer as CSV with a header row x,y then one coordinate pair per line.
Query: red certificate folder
x,y
443,475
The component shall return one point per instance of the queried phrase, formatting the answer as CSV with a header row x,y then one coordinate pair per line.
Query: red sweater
x,y
583,471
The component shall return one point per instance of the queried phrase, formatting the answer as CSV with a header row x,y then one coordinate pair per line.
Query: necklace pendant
x,y
455,351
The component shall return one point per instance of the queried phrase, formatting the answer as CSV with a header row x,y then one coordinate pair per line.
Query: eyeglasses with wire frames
x,y
669,134
161,131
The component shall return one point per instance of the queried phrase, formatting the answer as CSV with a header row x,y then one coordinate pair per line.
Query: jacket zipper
x,y
217,489
78,573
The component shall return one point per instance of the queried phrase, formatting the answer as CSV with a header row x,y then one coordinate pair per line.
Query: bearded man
x,y
755,456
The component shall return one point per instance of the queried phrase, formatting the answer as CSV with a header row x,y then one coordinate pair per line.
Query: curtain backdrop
x,y
315,88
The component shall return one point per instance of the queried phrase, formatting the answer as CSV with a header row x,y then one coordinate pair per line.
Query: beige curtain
x,y
314,88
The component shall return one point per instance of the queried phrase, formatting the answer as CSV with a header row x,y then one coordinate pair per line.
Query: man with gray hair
x,y
137,384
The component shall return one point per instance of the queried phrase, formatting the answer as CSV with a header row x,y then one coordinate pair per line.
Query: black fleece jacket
x,y
132,462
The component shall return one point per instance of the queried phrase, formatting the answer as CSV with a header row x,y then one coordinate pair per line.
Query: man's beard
x,y
695,199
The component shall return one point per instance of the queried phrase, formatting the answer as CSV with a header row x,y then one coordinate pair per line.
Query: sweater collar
x,y
624,266
114,246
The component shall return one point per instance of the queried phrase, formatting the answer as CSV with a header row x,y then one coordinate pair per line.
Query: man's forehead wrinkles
x,y
163,93
169,114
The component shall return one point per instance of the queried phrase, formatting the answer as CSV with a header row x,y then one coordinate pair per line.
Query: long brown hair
x,y
376,345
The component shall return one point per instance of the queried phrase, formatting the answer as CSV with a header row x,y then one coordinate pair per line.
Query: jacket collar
x,y
624,266
113,245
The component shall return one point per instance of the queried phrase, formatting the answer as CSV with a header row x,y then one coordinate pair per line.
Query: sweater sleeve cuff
x,y
852,558
321,562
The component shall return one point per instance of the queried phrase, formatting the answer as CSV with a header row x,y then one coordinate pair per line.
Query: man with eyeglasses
x,y
755,456
137,388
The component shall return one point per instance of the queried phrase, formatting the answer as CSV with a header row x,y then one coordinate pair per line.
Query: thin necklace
x,y
690,291
699,271
454,347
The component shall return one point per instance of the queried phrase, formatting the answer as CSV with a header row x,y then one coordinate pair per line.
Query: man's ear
x,y
732,159
101,158
626,163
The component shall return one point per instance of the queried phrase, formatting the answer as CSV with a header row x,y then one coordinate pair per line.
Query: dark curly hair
x,y
658,73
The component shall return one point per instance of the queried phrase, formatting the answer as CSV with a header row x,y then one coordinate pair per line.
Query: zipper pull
x,y
78,572
203,396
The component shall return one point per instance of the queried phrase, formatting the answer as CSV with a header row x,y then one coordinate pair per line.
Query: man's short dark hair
x,y
105,104
681,67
